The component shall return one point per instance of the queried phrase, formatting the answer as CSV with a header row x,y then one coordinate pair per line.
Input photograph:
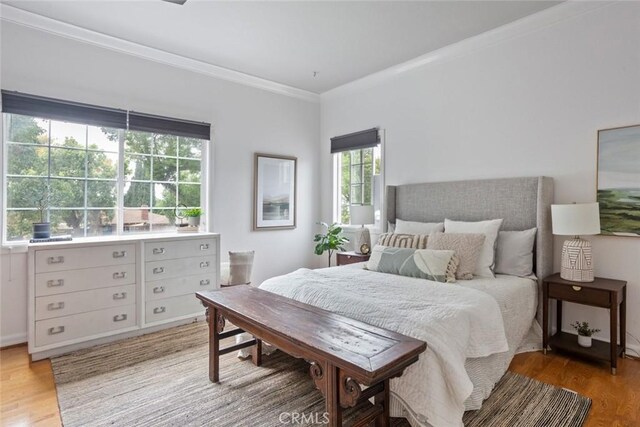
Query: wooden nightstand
x,y
344,258
606,293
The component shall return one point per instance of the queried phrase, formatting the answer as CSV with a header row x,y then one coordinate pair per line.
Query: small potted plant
x,y
193,216
329,241
42,229
584,333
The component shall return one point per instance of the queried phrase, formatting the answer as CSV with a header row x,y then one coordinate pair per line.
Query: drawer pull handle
x,y
577,288
158,270
119,317
120,275
204,246
55,260
159,310
55,331
120,295
55,283
55,306
158,251
158,289
205,282
204,264
119,254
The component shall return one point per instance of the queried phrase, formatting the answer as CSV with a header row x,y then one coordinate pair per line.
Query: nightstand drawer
x,y
580,294
346,258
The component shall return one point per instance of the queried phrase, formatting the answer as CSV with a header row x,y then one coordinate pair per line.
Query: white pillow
x,y
490,229
414,227
514,252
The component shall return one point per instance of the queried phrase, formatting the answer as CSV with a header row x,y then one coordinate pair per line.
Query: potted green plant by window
x,y
329,241
584,333
42,229
193,216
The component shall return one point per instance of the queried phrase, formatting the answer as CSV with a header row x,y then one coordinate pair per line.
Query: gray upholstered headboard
x,y
523,203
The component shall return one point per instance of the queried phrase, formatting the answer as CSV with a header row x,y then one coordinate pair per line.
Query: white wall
x,y
244,119
526,106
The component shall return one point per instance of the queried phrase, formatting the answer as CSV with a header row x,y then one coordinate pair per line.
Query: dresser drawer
x,y
51,306
169,308
81,280
159,289
77,258
84,325
172,268
187,248
579,294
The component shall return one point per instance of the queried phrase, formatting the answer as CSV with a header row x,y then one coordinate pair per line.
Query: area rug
x,y
161,379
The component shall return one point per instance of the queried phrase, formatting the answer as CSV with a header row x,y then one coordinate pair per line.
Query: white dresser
x,y
87,292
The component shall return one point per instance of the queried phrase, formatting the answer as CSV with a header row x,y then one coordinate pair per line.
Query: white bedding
x,y
463,324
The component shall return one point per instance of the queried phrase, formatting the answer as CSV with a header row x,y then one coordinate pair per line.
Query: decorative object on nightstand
x,y
605,293
344,258
575,220
584,333
330,241
361,215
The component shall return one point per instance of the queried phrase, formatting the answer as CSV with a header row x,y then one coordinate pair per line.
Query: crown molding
x,y
519,28
59,28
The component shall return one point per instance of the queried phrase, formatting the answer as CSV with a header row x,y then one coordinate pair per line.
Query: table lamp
x,y
361,215
575,220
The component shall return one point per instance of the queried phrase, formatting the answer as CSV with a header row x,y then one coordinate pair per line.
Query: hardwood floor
x,y
28,393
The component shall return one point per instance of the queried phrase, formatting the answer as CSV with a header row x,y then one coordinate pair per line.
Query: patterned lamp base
x,y
360,237
577,261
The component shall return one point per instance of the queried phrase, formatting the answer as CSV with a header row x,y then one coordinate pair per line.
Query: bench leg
x,y
382,399
256,352
214,344
332,396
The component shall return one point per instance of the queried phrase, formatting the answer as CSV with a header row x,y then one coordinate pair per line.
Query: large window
x,y
358,177
100,180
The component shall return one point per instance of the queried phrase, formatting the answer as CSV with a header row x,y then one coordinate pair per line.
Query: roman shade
x,y
355,141
68,111
157,124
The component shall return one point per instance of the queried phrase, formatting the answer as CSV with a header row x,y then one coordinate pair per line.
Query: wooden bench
x,y
345,354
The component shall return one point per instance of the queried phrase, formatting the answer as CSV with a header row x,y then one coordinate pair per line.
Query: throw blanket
x,y
456,322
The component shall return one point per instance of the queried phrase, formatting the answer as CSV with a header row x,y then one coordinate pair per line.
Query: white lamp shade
x,y
361,215
578,219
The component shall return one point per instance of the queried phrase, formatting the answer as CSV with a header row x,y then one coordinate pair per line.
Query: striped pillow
x,y
411,241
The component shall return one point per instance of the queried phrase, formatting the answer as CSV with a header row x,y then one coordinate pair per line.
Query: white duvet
x,y
457,322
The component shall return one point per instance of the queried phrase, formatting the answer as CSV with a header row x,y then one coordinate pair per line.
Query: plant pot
x,y
194,221
41,230
584,341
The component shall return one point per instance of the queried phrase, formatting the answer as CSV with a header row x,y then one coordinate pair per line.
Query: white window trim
x,y
337,191
206,202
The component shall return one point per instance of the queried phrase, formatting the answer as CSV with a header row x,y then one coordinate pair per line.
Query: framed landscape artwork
x,y
274,205
619,180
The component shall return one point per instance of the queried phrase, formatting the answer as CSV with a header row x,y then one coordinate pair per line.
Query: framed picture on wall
x,y
274,205
619,180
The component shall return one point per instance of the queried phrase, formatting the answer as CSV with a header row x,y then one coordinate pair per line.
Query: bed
x,y
473,328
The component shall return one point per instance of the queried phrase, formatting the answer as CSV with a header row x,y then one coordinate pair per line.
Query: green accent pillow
x,y
435,265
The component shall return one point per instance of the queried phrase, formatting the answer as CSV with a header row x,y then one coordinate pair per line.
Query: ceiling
x,y
286,42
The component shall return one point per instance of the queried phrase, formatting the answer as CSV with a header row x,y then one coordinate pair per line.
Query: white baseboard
x,y
14,339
